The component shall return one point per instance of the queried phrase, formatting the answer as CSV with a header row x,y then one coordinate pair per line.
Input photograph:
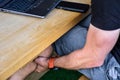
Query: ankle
x,y
23,72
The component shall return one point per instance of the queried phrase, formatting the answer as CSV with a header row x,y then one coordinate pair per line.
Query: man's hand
x,y
42,64
42,60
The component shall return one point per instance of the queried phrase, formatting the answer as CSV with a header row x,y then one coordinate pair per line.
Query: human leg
x,y
74,39
23,72
30,67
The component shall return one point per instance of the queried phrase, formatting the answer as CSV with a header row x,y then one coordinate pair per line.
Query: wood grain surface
x,y
22,38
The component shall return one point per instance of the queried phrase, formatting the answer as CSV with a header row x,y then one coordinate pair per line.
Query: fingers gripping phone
x,y
72,6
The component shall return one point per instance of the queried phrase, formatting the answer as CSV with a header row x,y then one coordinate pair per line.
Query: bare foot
x,y
23,72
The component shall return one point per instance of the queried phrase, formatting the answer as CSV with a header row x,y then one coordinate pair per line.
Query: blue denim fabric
x,y
110,70
75,39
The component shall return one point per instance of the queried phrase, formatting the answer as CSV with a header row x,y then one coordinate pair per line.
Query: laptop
x,y
35,8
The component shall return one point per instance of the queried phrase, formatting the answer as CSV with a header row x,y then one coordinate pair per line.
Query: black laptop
x,y
36,8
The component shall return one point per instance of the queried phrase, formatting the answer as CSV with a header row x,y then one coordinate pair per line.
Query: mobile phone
x,y
73,6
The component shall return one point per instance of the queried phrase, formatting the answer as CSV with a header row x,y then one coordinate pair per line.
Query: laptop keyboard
x,y
4,2
22,5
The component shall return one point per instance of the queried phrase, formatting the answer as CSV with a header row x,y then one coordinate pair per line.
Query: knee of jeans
x,y
85,22
73,40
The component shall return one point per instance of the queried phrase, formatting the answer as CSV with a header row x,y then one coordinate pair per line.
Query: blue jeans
x,y
75,39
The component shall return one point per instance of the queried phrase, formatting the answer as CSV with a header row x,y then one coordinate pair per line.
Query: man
x,y
91,52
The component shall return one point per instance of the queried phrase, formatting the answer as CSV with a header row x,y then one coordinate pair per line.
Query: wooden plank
x,y
22,38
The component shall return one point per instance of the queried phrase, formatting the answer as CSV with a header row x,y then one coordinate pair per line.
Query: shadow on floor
x,y
61,74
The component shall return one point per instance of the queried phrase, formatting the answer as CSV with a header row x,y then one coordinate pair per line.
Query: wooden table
x,y
22,38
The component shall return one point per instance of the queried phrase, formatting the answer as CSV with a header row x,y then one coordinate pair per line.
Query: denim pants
x,y
75,39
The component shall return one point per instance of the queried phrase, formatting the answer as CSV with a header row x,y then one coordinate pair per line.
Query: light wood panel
x,y
22,38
